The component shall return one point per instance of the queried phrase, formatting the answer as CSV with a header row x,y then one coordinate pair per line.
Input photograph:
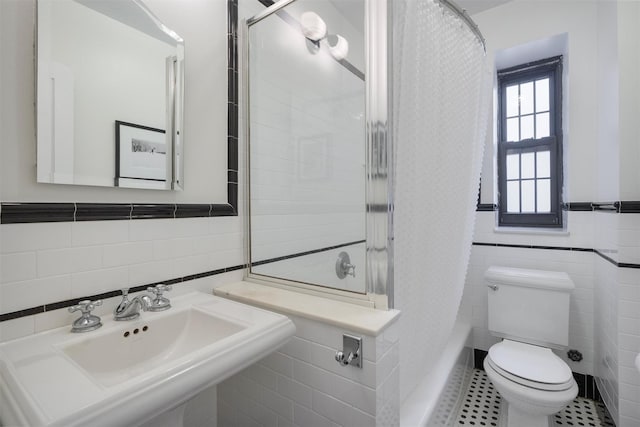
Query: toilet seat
x,y
530,366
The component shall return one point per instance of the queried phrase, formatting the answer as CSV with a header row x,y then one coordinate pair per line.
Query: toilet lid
x,y
530,362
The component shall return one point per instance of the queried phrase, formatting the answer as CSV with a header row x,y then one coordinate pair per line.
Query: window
x,y
530,144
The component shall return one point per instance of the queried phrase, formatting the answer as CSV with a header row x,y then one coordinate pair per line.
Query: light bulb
x,y
340,49
313,27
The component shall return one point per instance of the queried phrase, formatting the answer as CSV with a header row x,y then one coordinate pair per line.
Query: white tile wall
x,y
605,334
628,238
48,262
628,330
302,385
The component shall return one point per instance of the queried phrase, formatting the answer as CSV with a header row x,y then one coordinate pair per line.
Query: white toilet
x,y
529,309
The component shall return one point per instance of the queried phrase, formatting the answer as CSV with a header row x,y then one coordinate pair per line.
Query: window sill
x,y
532,231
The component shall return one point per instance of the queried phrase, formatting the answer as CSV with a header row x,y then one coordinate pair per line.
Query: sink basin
x,y
125,353
126,373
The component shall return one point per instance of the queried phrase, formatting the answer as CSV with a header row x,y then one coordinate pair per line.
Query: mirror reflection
x,y
109,95
307,144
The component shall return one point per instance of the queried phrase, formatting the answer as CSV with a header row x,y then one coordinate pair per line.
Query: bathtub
x,y
438,396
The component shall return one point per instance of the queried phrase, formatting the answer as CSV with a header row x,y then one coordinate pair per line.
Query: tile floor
x,y
481,407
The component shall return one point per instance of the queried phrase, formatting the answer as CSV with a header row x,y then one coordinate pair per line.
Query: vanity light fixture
x,y
340,49
315,29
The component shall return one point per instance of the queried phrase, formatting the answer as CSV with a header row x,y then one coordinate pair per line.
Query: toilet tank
x,y
530,306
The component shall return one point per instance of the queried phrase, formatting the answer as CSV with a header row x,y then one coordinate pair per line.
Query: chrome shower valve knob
x,y
344,267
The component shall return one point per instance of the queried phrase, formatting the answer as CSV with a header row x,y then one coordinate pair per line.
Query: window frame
x,y
552,68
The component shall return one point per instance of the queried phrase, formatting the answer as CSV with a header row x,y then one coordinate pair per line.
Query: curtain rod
x,y
462,13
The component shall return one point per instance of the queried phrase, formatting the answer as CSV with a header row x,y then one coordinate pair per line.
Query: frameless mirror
x,y
307,144
109,95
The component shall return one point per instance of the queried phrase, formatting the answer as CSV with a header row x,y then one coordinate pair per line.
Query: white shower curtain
x,y
441,103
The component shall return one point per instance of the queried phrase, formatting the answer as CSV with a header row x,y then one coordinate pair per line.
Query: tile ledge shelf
x,y
345,315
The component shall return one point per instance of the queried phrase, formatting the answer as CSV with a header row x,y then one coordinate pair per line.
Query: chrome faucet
x,y
130,309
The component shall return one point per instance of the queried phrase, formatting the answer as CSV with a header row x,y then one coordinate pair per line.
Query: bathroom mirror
x,y
109,95
307,144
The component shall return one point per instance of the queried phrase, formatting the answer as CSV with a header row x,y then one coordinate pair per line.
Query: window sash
x,y
545,219
550,68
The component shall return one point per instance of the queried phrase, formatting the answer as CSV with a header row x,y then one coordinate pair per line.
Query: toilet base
x,y
510,416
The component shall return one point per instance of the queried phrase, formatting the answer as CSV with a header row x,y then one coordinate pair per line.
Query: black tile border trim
x,y
153,211
624,206
578,206
561,248
192,210
607,206
233,84
101,211
510,245
13,212
27,213
299,254
587,387
486,207
630,206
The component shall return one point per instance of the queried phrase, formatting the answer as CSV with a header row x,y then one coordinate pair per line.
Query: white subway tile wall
x,y
302,385
605,334
44,263
628,321
628,235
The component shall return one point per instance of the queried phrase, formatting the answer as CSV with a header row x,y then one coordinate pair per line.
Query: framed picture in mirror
x,y
141,156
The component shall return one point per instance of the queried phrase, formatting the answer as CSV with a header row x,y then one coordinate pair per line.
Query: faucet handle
x,y
159,289
160,302
85,306
86,322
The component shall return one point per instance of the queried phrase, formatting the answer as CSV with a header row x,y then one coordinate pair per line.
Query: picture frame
x,y
141,156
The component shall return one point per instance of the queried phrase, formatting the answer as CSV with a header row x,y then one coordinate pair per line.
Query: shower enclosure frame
x,y
379,162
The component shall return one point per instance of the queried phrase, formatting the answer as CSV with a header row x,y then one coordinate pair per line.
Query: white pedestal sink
x,y
128,373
